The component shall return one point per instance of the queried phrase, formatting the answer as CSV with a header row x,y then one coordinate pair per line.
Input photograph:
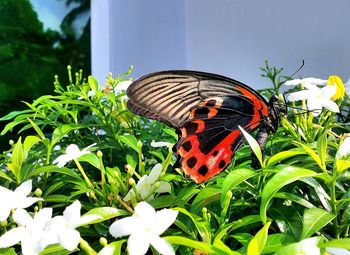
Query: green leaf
x,y
284,177
8,251
5,176
273,243
114,248
28,143
37,129
91,158
100,214
205,197
54,169
129,140
283,155
199,246
200,224
313,220
294,198
57,250
61,131
322,149
257,244
93,84
13,114
337,243
234,178
313,154
306,246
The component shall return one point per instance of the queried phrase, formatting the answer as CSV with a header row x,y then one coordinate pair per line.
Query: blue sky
x,y
51,13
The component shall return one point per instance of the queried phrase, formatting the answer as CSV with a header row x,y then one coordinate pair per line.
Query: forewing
x,y
211,136
168,96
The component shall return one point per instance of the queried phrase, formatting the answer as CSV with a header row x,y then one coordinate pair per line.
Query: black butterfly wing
x,y
168,96
211,137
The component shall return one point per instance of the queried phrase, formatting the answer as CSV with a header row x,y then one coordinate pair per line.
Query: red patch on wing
x,y
201,167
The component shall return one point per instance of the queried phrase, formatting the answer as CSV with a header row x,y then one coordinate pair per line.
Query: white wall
x,y
230,37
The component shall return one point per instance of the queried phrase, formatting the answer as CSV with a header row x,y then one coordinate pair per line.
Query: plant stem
x,y
334,206
86,247
81,170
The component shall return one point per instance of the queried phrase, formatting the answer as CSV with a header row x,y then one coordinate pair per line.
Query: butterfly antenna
x,y
297,71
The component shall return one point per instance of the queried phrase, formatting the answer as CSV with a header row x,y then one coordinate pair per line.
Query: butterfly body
x,y
206,110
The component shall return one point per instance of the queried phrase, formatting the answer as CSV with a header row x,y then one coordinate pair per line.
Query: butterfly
x,y
206,110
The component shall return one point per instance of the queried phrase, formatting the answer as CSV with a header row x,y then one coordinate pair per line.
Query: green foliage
x,y
298,201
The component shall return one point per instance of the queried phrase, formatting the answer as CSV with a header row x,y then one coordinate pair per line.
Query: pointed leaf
x,y
284,177
283,155
113,248
306,246
313,220
37,129
257,244
337,243
129,140
322,149
234,178
102,213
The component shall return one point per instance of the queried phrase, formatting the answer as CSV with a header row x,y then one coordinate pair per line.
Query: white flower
x,y
15,199
316,98
344,149
31,232
161,144
123,85
145,185
306,82
72,152
145,227
63,228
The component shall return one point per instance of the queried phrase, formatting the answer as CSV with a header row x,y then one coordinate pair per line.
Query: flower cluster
x,y
316,97
36,232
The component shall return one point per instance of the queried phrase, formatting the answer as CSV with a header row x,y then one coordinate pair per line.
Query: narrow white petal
x,y
62,160
155,172
43,218
138,244
164,187
162,246
160,144
22,217
299,95
311,82
329,91
24,189
145,211
330,105
72,213
73,150
344,148
69,239
294,82
27,201
124,227
314,106
4,211
11,237
123,85
165,218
